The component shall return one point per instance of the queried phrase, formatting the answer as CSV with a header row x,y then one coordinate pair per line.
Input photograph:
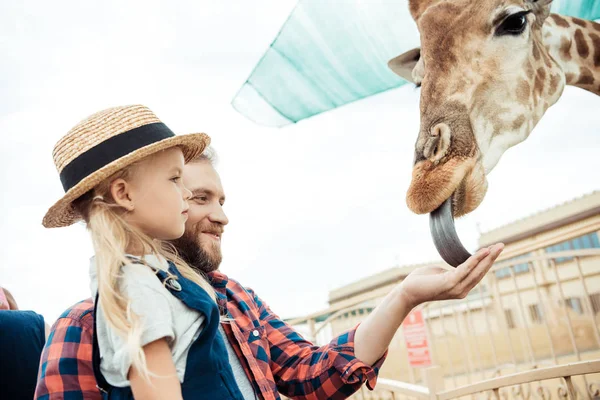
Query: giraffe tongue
x,y
447,243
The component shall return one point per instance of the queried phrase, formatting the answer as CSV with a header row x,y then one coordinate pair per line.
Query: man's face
x,y
200,245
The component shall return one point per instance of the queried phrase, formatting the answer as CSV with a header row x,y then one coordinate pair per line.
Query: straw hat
x,y
104,143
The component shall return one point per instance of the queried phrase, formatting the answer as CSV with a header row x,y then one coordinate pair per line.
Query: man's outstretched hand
x,y
425,284
434,283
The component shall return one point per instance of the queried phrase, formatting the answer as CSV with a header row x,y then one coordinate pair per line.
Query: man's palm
x,y
434,283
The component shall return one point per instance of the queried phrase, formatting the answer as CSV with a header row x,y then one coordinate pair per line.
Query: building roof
x,y
552,218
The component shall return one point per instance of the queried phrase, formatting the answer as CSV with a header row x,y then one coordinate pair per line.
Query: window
x,y
478,292
510,321
535,313
589,241
574,303
518,268
354,313
595,301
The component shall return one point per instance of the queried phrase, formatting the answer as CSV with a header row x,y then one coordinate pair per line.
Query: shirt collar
x,y
218,279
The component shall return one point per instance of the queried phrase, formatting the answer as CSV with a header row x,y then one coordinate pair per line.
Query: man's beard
x,y
190,250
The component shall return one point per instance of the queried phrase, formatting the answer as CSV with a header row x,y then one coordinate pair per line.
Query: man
x,y
267,355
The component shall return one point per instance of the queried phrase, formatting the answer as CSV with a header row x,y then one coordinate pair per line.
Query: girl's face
x,y
155,196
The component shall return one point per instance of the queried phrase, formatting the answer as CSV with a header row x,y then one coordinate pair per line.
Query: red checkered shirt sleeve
x,y
66,370
305,371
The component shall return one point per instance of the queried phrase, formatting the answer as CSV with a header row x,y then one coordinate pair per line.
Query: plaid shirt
x,y
274,356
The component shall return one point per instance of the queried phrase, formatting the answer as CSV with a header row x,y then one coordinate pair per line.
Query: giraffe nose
x,y
438,143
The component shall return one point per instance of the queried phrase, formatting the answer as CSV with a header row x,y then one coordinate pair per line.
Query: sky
x,y
312,206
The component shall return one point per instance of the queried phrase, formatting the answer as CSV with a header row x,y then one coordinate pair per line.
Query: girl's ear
x,y
120,192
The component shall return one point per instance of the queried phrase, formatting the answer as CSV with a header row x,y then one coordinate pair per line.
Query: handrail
x,y
408,389
547,256
336,315
339,307
565,370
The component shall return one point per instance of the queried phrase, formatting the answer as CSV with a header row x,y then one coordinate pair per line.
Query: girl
x,y
156,318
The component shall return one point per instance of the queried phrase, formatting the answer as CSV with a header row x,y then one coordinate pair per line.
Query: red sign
x,y
415,336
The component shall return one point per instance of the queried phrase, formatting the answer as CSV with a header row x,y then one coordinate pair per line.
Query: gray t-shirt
x,y
238,371
162,316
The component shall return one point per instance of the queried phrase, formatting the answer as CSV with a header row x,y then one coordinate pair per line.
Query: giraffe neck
x,y
575,45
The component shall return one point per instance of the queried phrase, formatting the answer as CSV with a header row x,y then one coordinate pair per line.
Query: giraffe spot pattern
x,y
580,22
541,73
565,49
529,69
538,85
536,51
585,77
518,123
582,47
596,45
548,62
523,91
560,21
554,81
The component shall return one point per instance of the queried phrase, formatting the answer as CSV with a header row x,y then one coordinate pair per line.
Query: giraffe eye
x,y
514,24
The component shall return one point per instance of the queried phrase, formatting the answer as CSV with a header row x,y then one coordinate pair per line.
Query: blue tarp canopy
x,y
331,53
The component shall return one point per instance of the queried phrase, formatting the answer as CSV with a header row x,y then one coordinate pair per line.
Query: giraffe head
x,y
486,80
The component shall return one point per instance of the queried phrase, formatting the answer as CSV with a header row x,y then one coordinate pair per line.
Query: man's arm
x,y
337,370
375,333
66,364
305,371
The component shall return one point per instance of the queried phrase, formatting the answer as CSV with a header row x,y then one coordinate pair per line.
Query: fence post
x,y
433,378
312,329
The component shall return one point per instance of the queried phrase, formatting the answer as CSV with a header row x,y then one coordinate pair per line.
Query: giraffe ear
x,y
404,64
541,9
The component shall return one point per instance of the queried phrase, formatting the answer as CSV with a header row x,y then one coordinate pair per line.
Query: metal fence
x,y
530,329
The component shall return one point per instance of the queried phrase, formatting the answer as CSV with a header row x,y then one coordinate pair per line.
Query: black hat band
x,y
110,150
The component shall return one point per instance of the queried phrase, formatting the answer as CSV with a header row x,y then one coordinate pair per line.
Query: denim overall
x,y
208,374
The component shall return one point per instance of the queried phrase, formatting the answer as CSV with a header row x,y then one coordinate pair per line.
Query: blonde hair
x,y
111,236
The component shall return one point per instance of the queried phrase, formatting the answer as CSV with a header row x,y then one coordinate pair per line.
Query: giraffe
x,y
488,71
